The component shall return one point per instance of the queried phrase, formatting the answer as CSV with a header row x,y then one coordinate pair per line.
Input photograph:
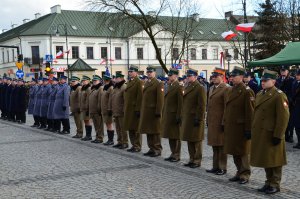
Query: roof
x,y
287,56
80,65
106,24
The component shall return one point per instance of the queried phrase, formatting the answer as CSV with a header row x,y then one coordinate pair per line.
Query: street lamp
x,y
228,59
111,31
66,33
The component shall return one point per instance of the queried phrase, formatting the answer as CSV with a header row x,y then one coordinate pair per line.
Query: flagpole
x,y
245,34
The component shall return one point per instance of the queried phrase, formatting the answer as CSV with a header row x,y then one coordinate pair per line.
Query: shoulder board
x,y
278,90
247,87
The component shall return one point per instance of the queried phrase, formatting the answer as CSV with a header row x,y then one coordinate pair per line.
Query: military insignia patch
x,y
285,104
162,90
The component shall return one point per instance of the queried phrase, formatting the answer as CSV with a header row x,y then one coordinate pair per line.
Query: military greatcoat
x,y
193,108
237,119
172,111
151,109
270,119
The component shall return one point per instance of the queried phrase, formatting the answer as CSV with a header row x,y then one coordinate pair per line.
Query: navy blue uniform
x,y
21,104
295,109
286,84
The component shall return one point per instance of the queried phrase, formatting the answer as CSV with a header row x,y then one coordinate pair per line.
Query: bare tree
x,y
147,16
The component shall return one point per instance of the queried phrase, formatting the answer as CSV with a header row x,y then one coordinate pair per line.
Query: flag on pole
x,y
67,52
228,35
59,54
245,27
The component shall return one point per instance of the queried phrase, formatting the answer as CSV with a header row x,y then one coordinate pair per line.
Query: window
x,y
35,52
236,54
75,52
175,53
118,53
204,54
215,53
193,54
13,55
60,48
159,51
89,52
7,56
140,53
3,61
104,52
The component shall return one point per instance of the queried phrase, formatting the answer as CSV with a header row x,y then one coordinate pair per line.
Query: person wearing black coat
x,y
13,101
285,83
21,102
1,94
251,83
7,98
295,108
2,99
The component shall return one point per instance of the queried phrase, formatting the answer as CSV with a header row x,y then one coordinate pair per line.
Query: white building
x,y
95,36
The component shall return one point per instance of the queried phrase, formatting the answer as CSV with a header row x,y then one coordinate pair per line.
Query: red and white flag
x,y
245,27
59,54
103,61
67,52
228,35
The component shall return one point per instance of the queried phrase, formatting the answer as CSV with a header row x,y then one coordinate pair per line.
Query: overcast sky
x,y
14,11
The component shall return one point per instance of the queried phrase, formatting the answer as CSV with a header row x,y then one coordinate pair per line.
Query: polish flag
x,y
59,55
67,52
228,35
245,27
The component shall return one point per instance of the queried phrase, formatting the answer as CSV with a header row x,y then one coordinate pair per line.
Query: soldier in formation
x,y
215,112
173,110
270,119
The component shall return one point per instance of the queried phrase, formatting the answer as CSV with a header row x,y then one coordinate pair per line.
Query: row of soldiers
x,y
13,100
234,117
176,112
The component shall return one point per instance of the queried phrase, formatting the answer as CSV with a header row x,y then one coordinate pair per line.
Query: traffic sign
x,y
20,74
48,58
19,65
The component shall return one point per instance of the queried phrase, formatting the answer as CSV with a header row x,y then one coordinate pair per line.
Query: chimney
x,y
4,30
14,25
195,16
25,21
152,13
56,9
37,15
228,15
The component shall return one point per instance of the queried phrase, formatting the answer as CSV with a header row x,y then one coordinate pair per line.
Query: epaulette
x,y
278,90
247,87
227,85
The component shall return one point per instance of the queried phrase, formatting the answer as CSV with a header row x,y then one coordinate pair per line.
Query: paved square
x,y
39,164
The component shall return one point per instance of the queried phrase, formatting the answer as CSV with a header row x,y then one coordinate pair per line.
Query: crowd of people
x,y
235,110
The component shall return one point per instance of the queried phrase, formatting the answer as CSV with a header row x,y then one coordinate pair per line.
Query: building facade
x,y
79,34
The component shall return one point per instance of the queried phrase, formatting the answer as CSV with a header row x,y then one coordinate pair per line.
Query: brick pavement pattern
x,y
39,164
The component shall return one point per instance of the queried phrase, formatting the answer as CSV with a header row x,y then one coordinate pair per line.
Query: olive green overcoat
x,y
271,116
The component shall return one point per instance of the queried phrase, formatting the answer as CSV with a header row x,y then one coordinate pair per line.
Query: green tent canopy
x,y
290,55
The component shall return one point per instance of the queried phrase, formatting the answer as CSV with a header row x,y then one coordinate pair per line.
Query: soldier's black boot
x,y
88,135
110,135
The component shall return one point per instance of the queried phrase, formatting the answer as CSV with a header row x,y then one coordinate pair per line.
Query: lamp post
x,y
110,63
66,34
228,59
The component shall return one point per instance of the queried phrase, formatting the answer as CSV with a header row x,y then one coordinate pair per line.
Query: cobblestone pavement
x,y
39,164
